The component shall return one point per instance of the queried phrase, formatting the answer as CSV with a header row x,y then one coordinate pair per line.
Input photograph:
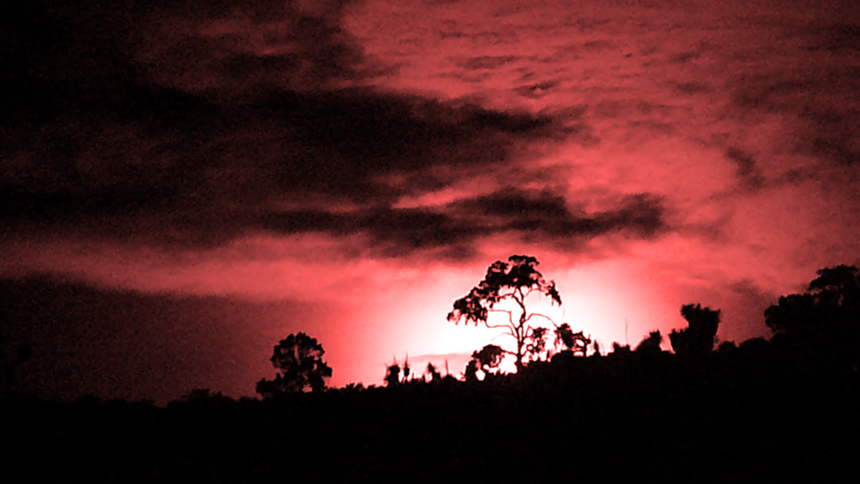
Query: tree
x,y
832,302
650,345
573,342
488,358
698,338
826,318
299,359
392,373
513,281
537,346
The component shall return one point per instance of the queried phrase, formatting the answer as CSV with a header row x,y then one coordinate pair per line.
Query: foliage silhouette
x,y
392,375
299,359
619,351
576,343
433,372
651,344
537,345
393,371
698,338
489,357
826,318
513,280
832,300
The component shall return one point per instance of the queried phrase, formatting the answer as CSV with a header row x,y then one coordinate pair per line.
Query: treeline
x,y
753,413
777,410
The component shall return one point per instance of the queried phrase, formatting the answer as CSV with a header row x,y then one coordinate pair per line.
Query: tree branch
x,y
543,316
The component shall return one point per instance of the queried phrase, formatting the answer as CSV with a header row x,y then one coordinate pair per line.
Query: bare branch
x,y
515,279
543,316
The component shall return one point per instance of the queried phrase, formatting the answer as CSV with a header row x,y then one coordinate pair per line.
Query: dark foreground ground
x,y
654,420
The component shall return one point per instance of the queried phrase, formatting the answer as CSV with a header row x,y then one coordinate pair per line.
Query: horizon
x,y
184,185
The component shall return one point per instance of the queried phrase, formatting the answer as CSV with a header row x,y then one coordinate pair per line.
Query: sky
x,y
184,183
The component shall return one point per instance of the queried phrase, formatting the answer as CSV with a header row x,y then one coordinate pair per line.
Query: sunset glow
x,y
221,177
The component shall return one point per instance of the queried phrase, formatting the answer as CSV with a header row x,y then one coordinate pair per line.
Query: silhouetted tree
x,y
434,373
596,353
697,338
537,345
827,315
513,280
573,342
392,375
832,301
471,373
393,371
486,359
489,357
618,350
651,344
299,359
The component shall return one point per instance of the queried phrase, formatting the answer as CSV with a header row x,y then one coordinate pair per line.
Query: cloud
x,y
224,175
746,167
127,148
525,214
541,213
234,48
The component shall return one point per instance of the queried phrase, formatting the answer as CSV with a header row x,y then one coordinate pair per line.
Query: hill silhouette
x,y
761,411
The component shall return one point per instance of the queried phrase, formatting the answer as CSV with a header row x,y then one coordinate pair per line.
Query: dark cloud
x,y
391,231
488,62
746,168
817,92
202,170
690,88
834,135
836,38
536,91
544,214
522,213
182,122
236,48
61,57
196,122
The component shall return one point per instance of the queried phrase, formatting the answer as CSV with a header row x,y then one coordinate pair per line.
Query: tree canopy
x,y
698,338
826,318
831,302
513,281
299,359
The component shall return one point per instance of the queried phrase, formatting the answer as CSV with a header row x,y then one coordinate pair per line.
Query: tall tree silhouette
x,y
513,281
826,316
299,359
698,338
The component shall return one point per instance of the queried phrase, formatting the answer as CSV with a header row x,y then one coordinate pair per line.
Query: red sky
x,y
218,175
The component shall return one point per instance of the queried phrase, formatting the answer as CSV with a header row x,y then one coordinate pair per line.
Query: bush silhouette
x,y
698,338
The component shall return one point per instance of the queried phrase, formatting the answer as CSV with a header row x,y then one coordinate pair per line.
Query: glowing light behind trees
x,y
347,168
